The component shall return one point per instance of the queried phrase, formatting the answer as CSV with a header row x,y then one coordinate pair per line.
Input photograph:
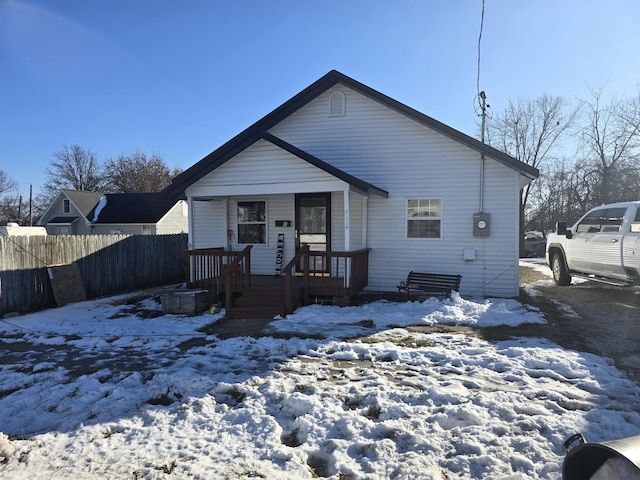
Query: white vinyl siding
x,y
209,230
175,220
409,160
264,168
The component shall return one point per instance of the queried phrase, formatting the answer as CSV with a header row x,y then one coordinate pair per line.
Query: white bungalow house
x,y
373,187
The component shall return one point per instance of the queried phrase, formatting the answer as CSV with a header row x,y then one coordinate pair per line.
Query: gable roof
x,y
122,208
83,201
258,129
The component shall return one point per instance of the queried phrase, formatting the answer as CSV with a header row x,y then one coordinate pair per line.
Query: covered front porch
x,y
307,277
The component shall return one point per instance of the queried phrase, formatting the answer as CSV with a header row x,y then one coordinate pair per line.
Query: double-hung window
x,y
66,205
252,222
424,218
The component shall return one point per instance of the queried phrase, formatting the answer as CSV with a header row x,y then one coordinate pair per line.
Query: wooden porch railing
x,y
213,268
234,269
335,274
350,268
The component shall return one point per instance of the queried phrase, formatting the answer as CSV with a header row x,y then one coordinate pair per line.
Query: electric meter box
x,y
481,224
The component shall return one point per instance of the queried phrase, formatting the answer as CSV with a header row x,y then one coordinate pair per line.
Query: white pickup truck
x,y
604,245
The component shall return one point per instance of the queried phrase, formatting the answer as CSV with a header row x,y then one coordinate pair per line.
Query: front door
x,y
313,225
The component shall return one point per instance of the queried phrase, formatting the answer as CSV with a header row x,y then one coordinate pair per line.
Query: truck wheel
x,y
560,273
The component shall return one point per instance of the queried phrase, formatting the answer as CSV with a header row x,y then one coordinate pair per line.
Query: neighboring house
x,y
67,214
342,167
138,214
83,213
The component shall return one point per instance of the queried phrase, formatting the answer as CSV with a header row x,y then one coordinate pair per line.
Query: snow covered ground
x,y
368,400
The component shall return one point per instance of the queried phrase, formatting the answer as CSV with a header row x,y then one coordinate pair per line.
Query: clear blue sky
x,y
180,77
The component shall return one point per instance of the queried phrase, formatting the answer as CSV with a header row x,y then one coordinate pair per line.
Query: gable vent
x,y
337,104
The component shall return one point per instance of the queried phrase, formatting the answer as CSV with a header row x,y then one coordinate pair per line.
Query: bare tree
x,y
610,144
565,188
8,199
72,168
529,131
7,184
138,173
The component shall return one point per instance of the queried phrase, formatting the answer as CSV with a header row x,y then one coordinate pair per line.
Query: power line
x,y
479,45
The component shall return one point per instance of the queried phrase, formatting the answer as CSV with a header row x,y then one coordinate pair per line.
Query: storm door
x,y
313,226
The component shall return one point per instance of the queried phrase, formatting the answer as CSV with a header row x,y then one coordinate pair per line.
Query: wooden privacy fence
x,y
108,264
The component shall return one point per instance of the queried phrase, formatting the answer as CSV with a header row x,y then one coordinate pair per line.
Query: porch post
x,y
347,239
347,222
190,214
365,218
225,216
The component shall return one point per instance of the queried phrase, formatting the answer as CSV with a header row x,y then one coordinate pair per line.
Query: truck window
x,y
591,222
613,218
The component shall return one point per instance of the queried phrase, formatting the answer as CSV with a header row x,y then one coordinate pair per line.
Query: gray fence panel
x,y
108,264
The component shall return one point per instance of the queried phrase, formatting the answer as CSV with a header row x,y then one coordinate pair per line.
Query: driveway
x,y
585,316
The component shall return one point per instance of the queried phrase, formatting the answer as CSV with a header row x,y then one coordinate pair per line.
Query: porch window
x,y
424,218
252,222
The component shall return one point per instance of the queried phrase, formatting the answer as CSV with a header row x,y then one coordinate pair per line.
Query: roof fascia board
x,y
46,212
249,135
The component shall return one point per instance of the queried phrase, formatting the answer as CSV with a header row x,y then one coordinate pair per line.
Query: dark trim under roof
x,y
257,130
62,220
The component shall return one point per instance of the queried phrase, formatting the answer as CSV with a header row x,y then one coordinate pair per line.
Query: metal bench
x,y
436,284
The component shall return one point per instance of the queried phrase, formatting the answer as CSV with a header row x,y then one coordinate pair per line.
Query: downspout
x,y
483,96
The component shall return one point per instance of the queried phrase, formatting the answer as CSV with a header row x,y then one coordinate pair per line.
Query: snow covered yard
x,y
103,390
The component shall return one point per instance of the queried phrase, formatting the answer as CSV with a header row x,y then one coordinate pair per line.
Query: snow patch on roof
x,y
101,204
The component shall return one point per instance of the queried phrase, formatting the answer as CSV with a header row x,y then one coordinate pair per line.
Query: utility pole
x,y
31,205
483,108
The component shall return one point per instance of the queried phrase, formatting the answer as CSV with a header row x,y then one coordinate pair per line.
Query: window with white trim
x,y
424,218
252,222
66,205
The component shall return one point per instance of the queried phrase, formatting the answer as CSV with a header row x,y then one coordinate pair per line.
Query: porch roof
x,y
340,180
62,220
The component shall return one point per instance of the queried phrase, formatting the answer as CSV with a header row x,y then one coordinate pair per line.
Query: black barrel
x,y
583,459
